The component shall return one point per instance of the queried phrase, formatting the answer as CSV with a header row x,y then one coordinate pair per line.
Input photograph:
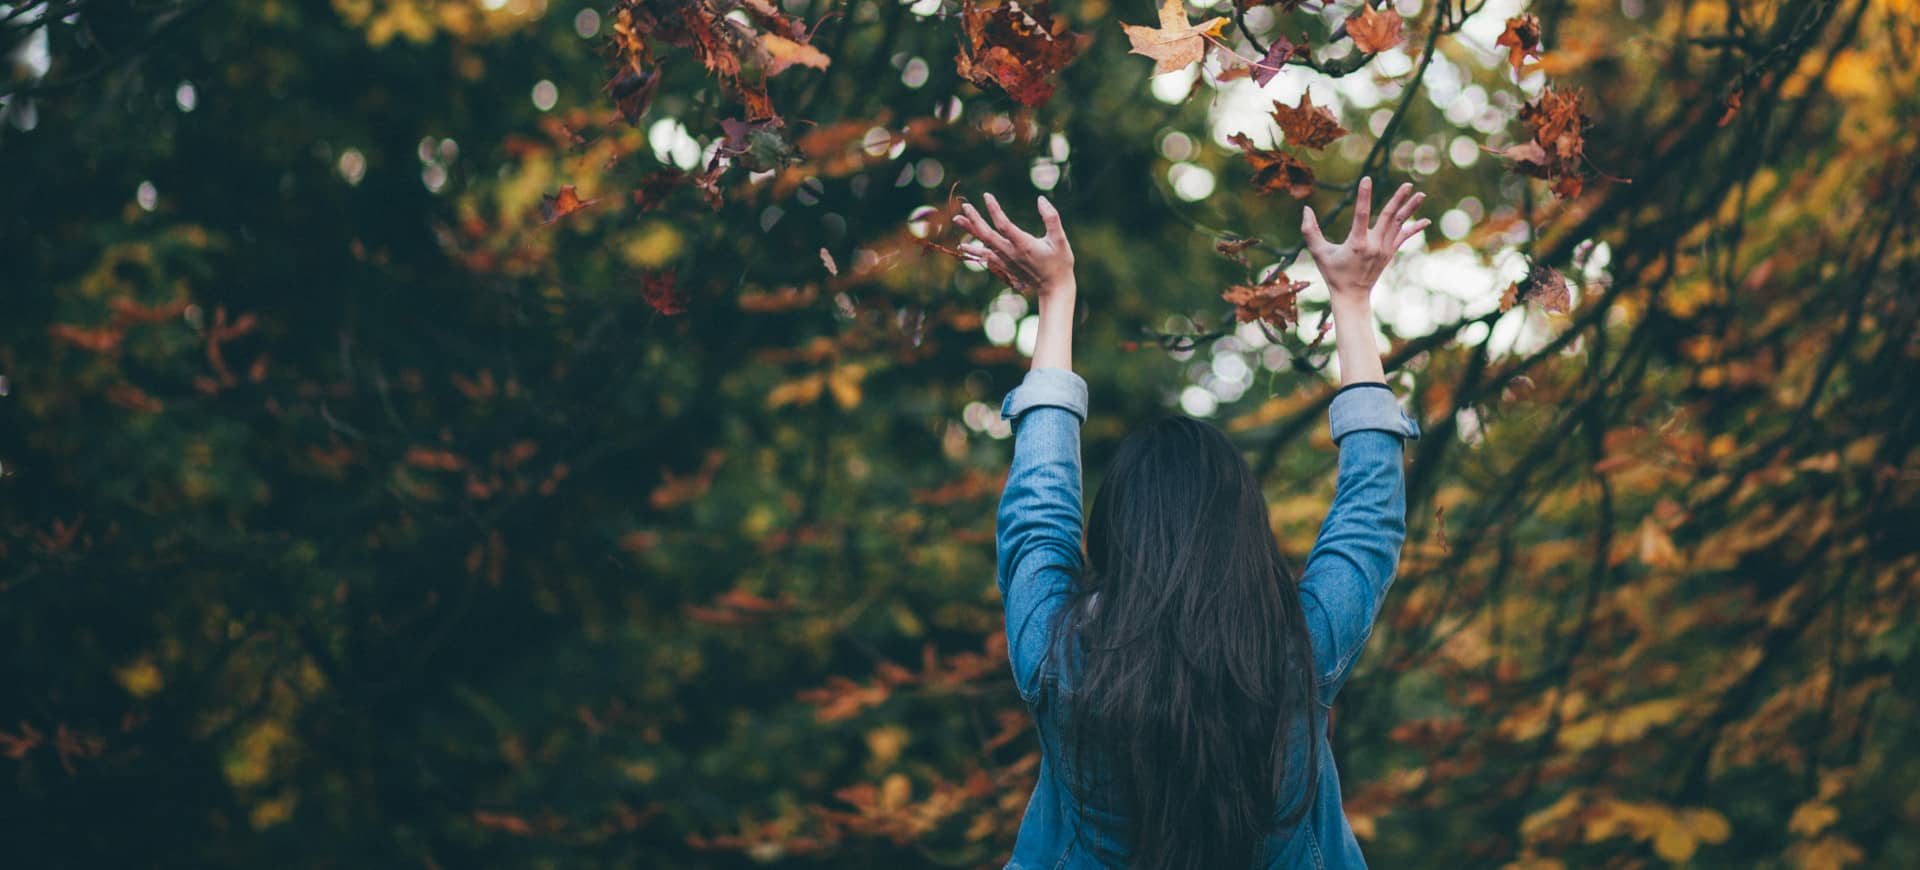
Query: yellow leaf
x,y
885,743
1826,853
1540,820
783,53
1674,842
1811,818
845,383
1708,825
140,678
895,790
800,391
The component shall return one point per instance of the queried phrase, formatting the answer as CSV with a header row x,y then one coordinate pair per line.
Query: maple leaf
x,y
1522,39
1177,42
1275,170
566,202
1275,302
1307,125
1281,51
1016,47
662,291
1373,31
783,53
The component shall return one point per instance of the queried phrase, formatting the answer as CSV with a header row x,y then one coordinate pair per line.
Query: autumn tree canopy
x,y
460,433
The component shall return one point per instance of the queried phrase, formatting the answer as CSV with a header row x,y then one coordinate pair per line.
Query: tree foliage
x,y
463,433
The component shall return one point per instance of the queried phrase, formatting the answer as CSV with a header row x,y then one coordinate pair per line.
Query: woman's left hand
x,y
1043,264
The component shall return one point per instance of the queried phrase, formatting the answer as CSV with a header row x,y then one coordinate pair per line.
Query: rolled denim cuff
x,y
1368,405
1060,388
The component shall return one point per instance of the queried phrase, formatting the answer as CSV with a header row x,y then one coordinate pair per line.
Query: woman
x,y
1179,676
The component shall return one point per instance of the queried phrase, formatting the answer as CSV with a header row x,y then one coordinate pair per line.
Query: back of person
x,y
1178,674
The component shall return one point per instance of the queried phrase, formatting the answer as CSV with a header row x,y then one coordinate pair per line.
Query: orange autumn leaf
x,y
1177,42
1521,39
1275,170
1275,302
1307,125
783,53
1375,31
567,201
1017,47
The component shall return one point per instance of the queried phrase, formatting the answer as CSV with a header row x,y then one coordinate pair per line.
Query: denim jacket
x,y
1348,572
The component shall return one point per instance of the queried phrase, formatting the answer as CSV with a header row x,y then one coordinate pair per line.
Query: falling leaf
x,y
1545,286
1018,47
1177,42
1373,31
1440,526
1522,40
1236,249
826,259
1733,107
1275,302
1559,127
1307,125
633,91
1276,57
662,291
1275,170
783,53
566,202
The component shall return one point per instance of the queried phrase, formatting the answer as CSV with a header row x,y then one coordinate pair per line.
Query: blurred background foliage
x,y
401,465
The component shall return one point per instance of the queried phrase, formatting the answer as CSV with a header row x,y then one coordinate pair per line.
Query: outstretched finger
x,y
1005,224
1411,230
1362,208
1310,230
1051,217
971,221
1390,216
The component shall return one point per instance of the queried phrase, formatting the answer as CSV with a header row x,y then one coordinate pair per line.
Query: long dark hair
x,y
1198,669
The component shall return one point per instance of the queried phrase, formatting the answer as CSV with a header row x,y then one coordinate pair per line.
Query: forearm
x,y
1353,340
1053,345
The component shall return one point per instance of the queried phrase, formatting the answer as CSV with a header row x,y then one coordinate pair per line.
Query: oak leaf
x,y
1275,170
1307,125
1177,42
1373,31
1018,47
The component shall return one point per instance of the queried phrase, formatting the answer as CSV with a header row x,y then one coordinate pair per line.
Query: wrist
x,y
1058,294
1349,302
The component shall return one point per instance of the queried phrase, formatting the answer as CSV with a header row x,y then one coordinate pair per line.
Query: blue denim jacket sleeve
x,y
1353,560
1037,529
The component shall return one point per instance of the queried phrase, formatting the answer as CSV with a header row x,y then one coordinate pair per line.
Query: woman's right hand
x,y
1043,263
1351,267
